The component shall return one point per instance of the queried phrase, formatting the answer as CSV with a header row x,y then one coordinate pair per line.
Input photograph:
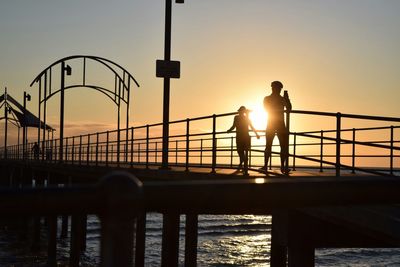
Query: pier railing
x,y
203,142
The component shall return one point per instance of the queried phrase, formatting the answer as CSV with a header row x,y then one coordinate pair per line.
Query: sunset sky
x,y
330,55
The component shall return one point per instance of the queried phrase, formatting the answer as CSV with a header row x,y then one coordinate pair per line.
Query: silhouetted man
x,y
275,105
243,142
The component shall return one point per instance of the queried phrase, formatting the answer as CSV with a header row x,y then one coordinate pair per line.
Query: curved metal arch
x,y
122,87
95,58
97,88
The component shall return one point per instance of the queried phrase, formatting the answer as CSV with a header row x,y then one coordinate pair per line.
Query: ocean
x,y
224,240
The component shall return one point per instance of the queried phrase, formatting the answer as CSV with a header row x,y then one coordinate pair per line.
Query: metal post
x,y
62,89
201,152
147,146
97,149
231,151
107,140
187,143
73,150
321,152
132,140
214,144
391,149
167,57
353,156
80,149
88,150
176,152
288,135
6,124
294,150
338,141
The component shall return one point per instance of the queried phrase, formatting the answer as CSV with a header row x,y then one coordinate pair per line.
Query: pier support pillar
x,y
191,234
52,241
77,233
278,239
170,240
140,240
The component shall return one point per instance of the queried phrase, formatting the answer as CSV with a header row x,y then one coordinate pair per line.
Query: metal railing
x,y
190,146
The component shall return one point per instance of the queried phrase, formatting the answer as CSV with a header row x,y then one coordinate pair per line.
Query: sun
x,y
259,117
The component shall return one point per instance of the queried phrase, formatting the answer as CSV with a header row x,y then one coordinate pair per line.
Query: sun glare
x,y
259,118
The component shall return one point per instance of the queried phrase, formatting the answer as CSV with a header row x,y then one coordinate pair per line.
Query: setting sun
x,y
259,118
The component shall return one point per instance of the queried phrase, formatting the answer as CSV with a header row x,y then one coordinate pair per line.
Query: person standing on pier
x,y
275,105
243,142
35,150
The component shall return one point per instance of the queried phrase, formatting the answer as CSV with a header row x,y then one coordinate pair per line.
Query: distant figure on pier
x,y
243,142
275,106
35,150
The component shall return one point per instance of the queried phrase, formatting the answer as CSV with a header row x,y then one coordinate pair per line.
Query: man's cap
x,y
277,84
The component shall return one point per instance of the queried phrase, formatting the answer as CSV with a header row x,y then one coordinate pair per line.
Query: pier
x,y
325,202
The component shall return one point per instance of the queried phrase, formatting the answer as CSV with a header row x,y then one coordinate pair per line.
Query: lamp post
x,y
27,97
167,69
65,69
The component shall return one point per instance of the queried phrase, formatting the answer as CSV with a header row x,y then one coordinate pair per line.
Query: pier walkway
x,y
342,190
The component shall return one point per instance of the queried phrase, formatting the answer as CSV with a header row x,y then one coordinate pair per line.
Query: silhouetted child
x,y
243,142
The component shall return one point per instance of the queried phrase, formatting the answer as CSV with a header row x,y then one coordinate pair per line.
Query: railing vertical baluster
x,y
66,150
231,151
176,152
147,146
107,143
139,152
156,154
80,150
132,140
201,152
294,150
97,149
88,150
187,143
214,144
73,150
391,148
338,141
353,150
321,152
249,158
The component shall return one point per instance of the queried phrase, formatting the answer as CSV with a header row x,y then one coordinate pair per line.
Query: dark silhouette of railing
x,y
215,148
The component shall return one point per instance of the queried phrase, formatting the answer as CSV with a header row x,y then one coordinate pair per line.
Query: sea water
x,y
223,240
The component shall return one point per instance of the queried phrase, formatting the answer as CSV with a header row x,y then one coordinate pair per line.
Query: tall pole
x,y
6,123
62,111
167,57
24,128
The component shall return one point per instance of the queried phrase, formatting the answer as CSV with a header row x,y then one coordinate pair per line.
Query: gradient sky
x,y
331,55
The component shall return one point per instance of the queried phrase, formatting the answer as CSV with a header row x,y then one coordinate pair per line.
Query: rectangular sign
x,y
168,69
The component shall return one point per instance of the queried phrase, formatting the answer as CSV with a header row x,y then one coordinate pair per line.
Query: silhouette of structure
x,y
20,117
120,94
